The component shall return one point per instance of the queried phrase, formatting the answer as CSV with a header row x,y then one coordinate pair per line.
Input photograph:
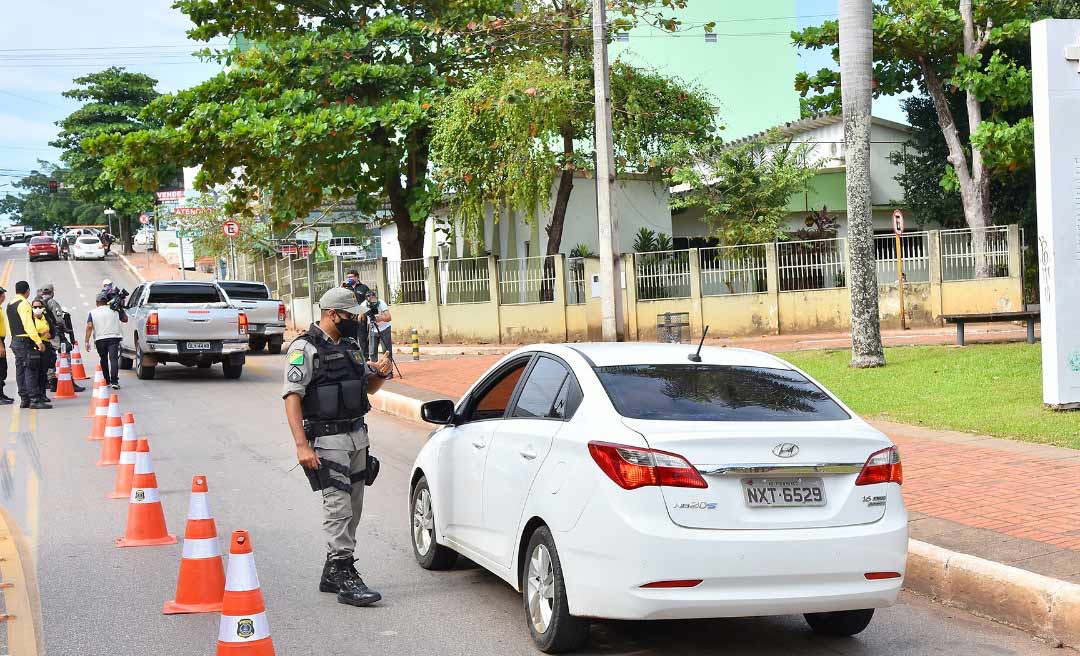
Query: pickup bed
x,y
186,322
266,315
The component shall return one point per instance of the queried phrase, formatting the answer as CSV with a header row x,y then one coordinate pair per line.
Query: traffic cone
x,y
244,630
65,389
99,380
78,372
146,518
201,583
114,434
126,471
101,413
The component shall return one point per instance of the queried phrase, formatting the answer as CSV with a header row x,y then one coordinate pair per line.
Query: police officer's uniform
x,y
331,380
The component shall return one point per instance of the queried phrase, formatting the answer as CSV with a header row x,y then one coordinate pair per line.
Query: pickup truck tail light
x,y
152,324
242,324
281,311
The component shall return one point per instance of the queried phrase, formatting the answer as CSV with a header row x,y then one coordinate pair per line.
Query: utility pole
x,y
611,311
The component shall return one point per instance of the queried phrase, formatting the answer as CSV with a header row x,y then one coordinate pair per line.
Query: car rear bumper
x,y
173,348
606,560
266,329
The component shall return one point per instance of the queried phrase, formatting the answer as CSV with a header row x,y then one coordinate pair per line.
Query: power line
x,y
33,100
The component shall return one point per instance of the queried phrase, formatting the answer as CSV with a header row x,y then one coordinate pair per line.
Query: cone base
x,y
264,647
173,608
64,396
148,542
106,463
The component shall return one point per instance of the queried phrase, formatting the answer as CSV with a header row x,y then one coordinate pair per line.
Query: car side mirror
x,y
438,412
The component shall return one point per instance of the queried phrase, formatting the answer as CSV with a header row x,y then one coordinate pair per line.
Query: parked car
x,y
88,247
144,238
187,322
266,315
43,248
344,247
628,481
12,237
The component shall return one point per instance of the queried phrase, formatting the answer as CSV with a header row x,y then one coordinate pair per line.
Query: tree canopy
x,y
37,206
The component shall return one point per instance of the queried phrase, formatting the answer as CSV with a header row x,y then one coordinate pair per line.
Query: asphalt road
x,y
98,599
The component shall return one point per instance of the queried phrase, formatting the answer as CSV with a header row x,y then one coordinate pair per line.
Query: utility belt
x,y
314,429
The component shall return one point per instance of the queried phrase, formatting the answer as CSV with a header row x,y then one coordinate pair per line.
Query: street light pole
x,y
611,310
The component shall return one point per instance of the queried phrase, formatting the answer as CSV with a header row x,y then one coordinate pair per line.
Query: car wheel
x,y
256,344
273,346
543,590
839,624
142,371
126,363
232,371
429,553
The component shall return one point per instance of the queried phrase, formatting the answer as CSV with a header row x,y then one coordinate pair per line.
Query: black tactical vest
x,y
338,387
15,322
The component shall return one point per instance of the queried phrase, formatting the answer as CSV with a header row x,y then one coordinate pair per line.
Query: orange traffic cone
x,y
244,630
114,434
78,372
201,583
126,471
65,389
146,518
101,413
99,380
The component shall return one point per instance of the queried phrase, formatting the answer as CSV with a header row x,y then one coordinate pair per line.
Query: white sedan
x,y
88,247
630,481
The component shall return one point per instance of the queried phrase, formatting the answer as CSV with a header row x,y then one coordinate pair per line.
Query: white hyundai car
x,y
642,481
88,247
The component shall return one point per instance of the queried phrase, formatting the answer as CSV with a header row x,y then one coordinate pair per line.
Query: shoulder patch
x,y
296,375
296,357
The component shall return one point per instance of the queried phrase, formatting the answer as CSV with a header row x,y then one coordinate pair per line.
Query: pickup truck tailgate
x,y
210,322
259,312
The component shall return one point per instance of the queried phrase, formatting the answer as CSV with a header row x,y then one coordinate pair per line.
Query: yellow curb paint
x,y
21,597
13,427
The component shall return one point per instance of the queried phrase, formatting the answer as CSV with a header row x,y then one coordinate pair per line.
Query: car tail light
x,y
631,467
281,312
882,467
879,576
682,583
152,324
242,323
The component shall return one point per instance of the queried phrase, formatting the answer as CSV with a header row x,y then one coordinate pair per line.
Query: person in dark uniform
x,y
4,398
360,290
28,347
327,382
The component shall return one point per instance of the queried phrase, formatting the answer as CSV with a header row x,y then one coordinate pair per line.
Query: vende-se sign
x,y
167,195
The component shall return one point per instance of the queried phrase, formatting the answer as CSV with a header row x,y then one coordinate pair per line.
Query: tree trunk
x,y
562,196
978,217
127,236
856,73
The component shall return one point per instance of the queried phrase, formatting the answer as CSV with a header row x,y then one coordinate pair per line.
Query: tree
x,y
502,141
947,47
856,39
744,188
334,102
41,208
112,102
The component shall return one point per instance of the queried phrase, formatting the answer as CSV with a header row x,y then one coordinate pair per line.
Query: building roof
x,y
794,128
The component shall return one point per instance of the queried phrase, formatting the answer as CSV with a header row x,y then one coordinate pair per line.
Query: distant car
x,y
144,238
87,247
642,482
266,315
344,247
43,248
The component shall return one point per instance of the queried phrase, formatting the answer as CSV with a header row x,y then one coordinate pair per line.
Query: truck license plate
x,y
781,492
198,346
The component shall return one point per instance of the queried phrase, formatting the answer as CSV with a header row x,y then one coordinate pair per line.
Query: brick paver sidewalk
x,y
1008,501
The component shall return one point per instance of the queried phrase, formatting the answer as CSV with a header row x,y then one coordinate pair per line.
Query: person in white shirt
x,y
104,324
379,326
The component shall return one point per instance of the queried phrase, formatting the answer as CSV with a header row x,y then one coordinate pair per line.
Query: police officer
x,y
326,385
352,283
63,336
28,348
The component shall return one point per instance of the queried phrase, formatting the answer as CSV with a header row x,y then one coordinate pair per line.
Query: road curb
x,y
131,267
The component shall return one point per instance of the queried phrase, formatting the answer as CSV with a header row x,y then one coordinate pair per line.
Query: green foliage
x,y
744,188
582,250
254,233
35,206
647,241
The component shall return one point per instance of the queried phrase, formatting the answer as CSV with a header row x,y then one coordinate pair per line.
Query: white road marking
x,y
71,267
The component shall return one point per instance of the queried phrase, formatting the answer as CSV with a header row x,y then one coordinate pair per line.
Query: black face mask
x,y
347,327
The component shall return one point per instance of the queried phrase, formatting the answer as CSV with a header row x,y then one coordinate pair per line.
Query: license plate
x,y
783,492
254,327
198,346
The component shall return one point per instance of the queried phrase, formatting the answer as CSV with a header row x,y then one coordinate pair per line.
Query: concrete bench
x,y
1028,316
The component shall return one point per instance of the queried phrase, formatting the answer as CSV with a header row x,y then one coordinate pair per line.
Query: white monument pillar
x,y
1055,67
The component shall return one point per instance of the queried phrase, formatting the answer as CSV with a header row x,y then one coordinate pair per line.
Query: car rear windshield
x,y
245,291
699,392
184,294
41,240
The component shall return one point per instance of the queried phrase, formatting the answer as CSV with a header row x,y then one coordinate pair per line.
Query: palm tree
x,y
856,73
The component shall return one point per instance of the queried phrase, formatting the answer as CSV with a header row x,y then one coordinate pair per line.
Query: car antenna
x,y
696,356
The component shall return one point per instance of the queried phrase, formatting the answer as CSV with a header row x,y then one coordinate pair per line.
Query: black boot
x,y
78,387
340,576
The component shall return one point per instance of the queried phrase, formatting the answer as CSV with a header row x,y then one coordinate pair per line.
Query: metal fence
x,y
527,280
465,280
811,264
728,270
368,270
324,278
407,280
967,254
915,250
575,281
662,274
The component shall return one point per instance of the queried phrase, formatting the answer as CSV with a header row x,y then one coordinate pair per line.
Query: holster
x,y
371,471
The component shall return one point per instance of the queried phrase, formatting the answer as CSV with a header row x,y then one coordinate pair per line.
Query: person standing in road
x,y
360,290
28,347
44,326
377,315
4,398
327,382
104,324
63,336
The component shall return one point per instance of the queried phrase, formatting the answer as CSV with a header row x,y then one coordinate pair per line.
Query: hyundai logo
x,y
786,450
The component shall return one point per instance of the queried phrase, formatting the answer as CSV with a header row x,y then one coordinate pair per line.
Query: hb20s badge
x,y
245,628
296,374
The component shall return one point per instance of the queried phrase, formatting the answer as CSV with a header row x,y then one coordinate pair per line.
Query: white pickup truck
x,y
187,322
266,315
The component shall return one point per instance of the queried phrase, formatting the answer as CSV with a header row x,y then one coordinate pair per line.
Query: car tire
x,y
142,371
553,629
126,363
273,346
840,624
428,552
232,371
256,344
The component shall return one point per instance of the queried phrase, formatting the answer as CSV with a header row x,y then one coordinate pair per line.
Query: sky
x,y
43,46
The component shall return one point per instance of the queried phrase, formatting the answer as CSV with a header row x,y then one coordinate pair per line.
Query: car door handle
x,y
479,444
528,453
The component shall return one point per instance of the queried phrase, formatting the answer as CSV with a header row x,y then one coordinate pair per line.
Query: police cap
x,y
339,298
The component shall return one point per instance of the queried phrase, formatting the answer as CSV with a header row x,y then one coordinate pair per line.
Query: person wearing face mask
x,y
63,336
45,328
360,290
28,347
327,382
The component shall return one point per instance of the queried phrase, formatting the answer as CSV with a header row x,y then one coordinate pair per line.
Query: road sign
x,y
143,219
231,228
188,234
898,222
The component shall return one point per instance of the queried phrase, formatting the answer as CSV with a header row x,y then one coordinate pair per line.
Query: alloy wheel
x,y
541,587
423,523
